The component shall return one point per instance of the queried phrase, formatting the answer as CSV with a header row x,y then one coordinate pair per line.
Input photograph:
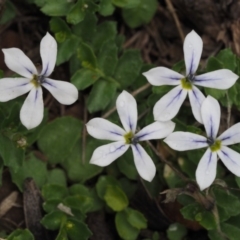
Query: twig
x,y
175,17
139,90
163,159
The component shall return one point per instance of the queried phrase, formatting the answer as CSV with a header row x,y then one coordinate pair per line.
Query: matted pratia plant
x,y
130,156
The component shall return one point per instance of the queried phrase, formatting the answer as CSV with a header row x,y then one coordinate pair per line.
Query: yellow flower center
x,y
128,137
216,146
35,81
186,84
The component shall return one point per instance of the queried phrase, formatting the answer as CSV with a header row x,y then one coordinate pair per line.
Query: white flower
x,y
168,106
103,129
31,113
206,170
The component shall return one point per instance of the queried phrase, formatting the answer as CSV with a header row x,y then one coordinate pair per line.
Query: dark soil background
x,y
160,43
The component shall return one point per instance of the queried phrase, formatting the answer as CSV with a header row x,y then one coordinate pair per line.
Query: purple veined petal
x,y
156,130
143,163
65,92
48,51
196,98
127,111
11,88
231,135
183,141
103,129
168,106
219,79
206,170
211,114
231,159
163,76
18,62
31,113
192,49
106,154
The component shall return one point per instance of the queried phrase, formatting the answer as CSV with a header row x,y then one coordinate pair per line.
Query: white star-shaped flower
x,y
168,106
217,146
124,138
31,113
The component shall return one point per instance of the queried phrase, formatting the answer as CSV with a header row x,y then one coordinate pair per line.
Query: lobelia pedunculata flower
x,y
124,138
168,106
217,146
31,113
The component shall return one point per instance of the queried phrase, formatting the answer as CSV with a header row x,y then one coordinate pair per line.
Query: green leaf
x,y
32,167
128,68
60,28
125,230
79,170
103,183
12,156
86,56
77,12
228,59
58,138
87,28
101,95
141,14
105,31
136,219
9,12
67,49
56,8
77,230
116,198
127,167
232,232
213,64
57,176
107,58
216,93
54,191
84,78
196,212
20,234
51,205
53,220
176,231
120,3
223,198
106,8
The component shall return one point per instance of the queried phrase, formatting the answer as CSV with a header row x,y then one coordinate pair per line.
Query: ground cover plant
x,y
114,115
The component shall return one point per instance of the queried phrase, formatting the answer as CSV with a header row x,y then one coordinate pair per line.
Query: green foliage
x,y
21,235
58,138
176,231
141,14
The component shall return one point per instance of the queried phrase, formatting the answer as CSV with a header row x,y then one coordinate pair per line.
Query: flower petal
x,y
65,92
31,113
196,98
206,170
182,141
106,154
156,130
18,62
127,111
168,106
11,88
143,162
192,49
103,129
211,113
231,135
163,76
231,159
219,79
48,51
